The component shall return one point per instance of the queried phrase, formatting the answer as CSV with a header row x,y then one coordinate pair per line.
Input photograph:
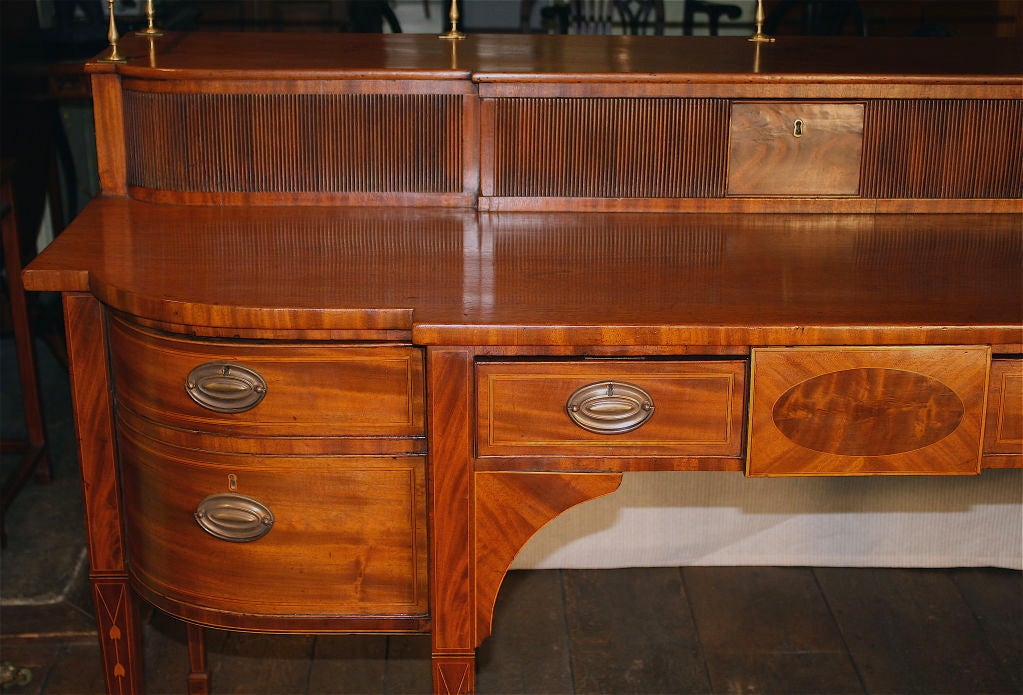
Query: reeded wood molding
x,y
605,148
510,508
943,149
294,143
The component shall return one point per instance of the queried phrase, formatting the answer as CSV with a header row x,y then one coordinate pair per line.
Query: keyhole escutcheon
x,y
797,128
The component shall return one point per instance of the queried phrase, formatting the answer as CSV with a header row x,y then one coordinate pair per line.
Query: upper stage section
x,y
603,123
493,58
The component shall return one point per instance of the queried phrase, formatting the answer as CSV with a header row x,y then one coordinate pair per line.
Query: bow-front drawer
x,y
256,388
610,408
214,535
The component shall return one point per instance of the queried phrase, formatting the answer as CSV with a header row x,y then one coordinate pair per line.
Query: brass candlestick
x,y
453,34
759,36
150,30
113,56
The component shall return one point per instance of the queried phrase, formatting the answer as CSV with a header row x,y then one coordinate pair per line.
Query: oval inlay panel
x,y
868,412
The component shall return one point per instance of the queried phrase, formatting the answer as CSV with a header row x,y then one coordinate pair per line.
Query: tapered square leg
x,y
120,636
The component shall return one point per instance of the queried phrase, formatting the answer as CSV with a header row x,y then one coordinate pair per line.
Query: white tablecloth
x,y
669,519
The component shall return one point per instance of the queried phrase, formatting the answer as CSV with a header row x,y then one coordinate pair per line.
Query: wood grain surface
x,y
857,411
697,408
348,536
1003,432
312,391
453,277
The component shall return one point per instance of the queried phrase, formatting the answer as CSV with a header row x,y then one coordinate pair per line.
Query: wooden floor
x,y
665,630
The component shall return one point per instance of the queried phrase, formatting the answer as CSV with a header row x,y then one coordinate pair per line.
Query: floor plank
x,y
631,631
763,630
78,671
528,653
408,665
349,664
996,598
165,655
768,630
760,609
911,631
259,664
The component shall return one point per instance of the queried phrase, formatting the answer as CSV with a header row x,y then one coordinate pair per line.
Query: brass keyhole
x,y
797,128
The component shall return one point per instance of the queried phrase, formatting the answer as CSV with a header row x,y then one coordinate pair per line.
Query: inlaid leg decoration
x,y
119,636
454,675
198,676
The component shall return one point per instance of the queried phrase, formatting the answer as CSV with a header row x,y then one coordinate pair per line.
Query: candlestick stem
x,y
150,30
114,56
759,36
453,34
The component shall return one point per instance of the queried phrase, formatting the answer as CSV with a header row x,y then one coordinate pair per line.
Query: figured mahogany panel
x,y
694,408
1003,433
510,508
348,534
294,143
606,147
308,389
797,149
948,148
88,364
856,411
110,147
452,582
816,413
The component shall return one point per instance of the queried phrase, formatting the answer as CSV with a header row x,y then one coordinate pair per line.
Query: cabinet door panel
x,y
797,149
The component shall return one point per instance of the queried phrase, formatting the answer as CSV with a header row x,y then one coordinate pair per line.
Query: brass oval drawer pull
x,y
225,388
233,517
610,407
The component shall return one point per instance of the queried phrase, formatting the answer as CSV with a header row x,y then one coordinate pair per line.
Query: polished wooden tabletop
x,y
494,57
455,276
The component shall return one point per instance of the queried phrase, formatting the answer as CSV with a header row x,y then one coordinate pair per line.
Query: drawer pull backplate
x,y
225,387
610,407
233,517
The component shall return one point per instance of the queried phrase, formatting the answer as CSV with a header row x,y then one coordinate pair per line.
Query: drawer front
x,y
795,149
348,534
1003,433
867,411
274,390
641,408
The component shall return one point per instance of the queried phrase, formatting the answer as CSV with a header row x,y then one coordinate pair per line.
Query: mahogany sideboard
x,y
355,316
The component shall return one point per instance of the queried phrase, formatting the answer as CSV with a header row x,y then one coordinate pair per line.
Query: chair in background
x,y
816,18
369,16
32,448
597,16
714,11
